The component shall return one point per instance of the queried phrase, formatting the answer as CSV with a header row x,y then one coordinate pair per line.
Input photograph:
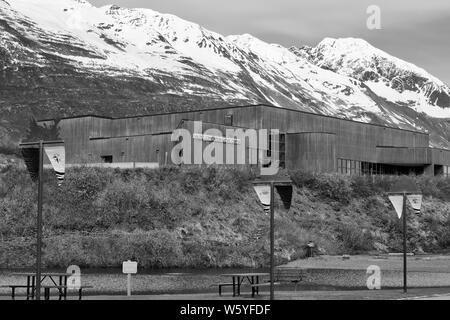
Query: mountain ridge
x,y
67,57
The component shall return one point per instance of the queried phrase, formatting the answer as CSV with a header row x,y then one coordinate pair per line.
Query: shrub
x,y
362,186
353,239
334,186
443,185
303,179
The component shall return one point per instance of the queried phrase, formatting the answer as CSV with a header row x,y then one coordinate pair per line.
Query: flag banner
x,y
57,156
263,193
397,202
285,193
31,159
416,202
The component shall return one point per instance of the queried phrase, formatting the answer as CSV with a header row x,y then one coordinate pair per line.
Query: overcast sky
x,y
414,30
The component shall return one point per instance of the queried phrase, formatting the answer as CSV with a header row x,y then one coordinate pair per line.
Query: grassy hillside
x,y
210,217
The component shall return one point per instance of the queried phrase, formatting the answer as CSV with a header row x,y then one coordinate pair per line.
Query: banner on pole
x,y
285,193
263,192
397,202
57,156
31,159
416,202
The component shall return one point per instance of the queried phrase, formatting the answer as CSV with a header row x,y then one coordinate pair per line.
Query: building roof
x,y
230,107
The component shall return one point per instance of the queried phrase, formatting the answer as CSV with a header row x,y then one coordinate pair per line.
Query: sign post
x,y
284,189
129,267
404,189
33,153
39,224
405,260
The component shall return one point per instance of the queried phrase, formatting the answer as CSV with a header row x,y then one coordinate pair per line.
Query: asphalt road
x,y
384,294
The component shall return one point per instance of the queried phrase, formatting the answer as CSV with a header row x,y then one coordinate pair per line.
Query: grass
x,y
206,217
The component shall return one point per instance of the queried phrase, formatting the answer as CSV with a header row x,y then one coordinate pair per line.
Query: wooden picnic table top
x,y
43,274
247,274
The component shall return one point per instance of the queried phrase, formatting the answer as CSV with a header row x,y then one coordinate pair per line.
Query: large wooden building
x,y
308,141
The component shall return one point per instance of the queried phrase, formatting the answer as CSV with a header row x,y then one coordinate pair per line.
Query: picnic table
x,y
58,279
239,278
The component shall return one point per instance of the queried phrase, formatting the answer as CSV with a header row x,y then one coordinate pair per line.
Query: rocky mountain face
x,y
67,57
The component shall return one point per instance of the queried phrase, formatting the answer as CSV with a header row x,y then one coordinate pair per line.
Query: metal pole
x,y
129,284
404,245
272,239
39,222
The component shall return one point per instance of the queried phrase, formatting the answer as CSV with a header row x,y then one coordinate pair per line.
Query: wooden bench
x,y
289,275
62,291
225,284
13,289
281,275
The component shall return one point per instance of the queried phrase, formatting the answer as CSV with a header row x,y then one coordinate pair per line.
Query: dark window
x,y
229,120
282,149
269,152
107,159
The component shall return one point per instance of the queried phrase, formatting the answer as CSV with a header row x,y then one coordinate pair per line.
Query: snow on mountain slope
x,y
389,77
123,61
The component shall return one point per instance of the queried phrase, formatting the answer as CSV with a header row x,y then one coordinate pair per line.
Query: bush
x,y
335,187
204,217
332,186
303,179
443,185
353,239
362,186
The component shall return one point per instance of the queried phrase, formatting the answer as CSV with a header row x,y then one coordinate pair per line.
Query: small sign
x,y
416,202
129,267
397,202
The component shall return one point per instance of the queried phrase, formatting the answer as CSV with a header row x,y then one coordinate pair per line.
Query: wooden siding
x,y
396,155
440,156
355,140
147,138
315,152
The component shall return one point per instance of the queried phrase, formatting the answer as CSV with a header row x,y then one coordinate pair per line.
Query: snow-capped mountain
x,y
67,57
389,77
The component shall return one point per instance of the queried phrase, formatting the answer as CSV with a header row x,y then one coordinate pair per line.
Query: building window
x,y
229,120
350,167
282,150
107,159
269,151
